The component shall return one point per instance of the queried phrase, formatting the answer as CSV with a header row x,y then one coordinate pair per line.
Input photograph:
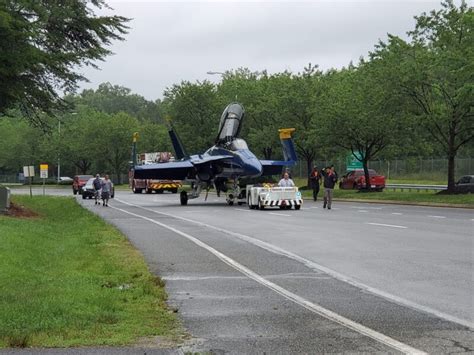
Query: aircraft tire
x,y
183,198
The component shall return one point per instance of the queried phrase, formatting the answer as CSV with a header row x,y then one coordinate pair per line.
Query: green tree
x,y
436,72
194,110
359,114
41,45
115,98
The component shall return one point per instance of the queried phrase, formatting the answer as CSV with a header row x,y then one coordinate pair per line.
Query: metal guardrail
x,y
410,187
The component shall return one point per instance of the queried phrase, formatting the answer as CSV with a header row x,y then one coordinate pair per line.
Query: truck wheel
x,y
159,191
297,207
148,190
174,191
74,191
261,206
83,196
183,197
137,191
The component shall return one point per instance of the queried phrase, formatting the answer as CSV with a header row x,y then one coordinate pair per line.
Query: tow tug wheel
x,y
183,197
261,206
297,207
249,203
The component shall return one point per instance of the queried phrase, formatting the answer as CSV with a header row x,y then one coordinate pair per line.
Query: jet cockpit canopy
x,y
230,123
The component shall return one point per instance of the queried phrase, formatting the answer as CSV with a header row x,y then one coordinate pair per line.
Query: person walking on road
x,y
106,190
97,184
286,181
330,179
315,181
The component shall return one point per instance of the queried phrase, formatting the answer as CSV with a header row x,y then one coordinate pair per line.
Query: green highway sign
x,y
352,163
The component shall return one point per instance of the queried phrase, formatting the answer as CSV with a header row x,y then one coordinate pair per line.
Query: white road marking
x,y
362,211
387,225
312,265
242,209
437,216
279,214
313,307
397,213
314,207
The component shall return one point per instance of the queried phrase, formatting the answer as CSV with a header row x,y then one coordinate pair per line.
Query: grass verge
x,y
422,197
69,279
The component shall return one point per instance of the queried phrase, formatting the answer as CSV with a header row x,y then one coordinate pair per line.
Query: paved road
x,y
361,277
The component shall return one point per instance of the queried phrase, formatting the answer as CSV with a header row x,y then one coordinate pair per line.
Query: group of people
x,y
102,189
327,175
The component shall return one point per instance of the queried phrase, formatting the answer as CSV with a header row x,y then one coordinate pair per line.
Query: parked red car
x,y
356,180
78,182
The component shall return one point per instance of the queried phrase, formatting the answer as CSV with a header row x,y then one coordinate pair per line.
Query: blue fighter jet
x,y
227,161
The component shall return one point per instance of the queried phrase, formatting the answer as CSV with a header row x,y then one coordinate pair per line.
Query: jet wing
x,y
275,167
203,159
176,170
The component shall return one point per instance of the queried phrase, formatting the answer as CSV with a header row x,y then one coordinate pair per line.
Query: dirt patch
x,y
19,211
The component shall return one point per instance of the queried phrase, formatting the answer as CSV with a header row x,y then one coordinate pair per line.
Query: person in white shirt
x,y
286,181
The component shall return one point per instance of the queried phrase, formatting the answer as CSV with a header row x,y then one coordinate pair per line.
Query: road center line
x,y
386,225
326,313
242,209
362,211
437,216
279,214
397,213
312,265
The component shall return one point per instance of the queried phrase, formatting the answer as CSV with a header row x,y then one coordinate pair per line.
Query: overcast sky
x,y
169,42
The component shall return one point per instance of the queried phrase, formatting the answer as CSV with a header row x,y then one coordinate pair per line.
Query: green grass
x,y
422,197
61,277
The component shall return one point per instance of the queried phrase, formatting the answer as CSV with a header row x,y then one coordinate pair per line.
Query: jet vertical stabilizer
x,y
289,152
177,145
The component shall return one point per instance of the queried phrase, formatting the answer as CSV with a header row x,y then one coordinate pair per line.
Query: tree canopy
x,y
43,44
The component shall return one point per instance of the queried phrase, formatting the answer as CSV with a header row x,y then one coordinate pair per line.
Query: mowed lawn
x,y
69,279
416,197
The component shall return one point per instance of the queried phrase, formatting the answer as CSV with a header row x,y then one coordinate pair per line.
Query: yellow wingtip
x,y
285,133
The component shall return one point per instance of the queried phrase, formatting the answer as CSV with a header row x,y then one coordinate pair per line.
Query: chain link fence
x,y
411,168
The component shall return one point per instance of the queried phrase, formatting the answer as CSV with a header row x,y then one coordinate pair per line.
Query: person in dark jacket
x,y
330,179
97,183
315,181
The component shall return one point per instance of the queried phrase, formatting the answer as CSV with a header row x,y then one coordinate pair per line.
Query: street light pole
x,y
59,151
215,72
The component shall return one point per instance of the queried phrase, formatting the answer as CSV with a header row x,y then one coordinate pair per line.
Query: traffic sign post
x,y
44,174
29,172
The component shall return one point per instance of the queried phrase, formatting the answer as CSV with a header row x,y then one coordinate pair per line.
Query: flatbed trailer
x,y
260,197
